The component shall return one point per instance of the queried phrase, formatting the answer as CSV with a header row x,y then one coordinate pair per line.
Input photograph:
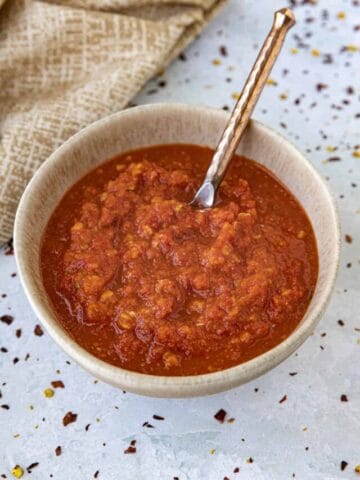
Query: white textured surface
x,y
275,435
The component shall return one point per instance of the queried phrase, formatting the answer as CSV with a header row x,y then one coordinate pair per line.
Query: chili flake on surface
x,y
220,415
70,417
57,384
131,448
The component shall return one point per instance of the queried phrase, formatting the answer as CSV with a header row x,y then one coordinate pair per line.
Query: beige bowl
x,y
161,124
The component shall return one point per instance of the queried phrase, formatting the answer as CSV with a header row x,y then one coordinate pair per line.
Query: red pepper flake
x,y
38,331
32,466
158,417
343,465
18,333
236,470
223,51
131,448
7,319
220,415
226,478
321,86
284,398
344,398
348,238
58,451
70,417
147,425
58,384
328,58
10,247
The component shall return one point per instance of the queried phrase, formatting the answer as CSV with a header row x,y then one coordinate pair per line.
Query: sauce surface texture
x,y
142,280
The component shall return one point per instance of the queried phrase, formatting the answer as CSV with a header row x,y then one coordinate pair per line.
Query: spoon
x,y
206,195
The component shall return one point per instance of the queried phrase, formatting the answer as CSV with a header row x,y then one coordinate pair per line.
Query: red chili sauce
x,y
144,281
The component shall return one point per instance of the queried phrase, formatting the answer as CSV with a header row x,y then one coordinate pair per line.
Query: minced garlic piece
x,y
301,234
106,295
170,359
77,226
126,320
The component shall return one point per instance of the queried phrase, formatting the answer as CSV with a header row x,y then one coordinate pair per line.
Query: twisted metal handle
x,y
283,20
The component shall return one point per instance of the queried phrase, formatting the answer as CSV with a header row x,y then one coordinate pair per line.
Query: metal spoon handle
x,y
283,20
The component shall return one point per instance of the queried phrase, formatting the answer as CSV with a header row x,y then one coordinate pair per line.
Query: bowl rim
x,y
158,385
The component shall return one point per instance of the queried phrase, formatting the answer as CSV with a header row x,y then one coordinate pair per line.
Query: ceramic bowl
x,y
161,124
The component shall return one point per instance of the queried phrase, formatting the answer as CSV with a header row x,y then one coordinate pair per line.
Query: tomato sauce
x,y
144,281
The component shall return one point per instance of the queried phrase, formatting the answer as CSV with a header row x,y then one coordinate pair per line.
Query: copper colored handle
x,y
283,20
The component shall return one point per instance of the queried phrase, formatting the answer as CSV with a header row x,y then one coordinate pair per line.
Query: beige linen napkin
x,y
65,64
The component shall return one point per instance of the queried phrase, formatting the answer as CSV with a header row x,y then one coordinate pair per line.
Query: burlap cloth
x,y
65,64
